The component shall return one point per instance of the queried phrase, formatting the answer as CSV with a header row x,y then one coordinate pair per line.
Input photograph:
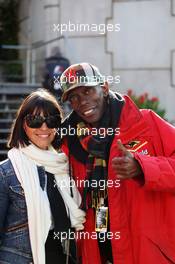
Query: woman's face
x,y
42,137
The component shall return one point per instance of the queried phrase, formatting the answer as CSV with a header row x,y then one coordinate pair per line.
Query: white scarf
x,y
25,161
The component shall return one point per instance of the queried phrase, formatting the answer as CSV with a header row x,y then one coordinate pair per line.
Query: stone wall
x,y
142,53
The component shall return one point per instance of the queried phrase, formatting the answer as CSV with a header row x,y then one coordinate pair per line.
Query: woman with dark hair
x,y
37,201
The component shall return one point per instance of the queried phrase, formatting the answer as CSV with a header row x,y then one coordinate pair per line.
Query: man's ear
x,y
105,88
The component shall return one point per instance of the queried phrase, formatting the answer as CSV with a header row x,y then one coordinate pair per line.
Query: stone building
x,y
142,53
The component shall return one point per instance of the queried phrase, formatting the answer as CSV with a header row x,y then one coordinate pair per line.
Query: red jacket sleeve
x,y
64,147
159,170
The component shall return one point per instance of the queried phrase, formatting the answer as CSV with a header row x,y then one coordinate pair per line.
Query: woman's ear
x,y
24,125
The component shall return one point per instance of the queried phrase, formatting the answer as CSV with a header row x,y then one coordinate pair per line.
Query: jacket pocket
x,y
18,198
18,242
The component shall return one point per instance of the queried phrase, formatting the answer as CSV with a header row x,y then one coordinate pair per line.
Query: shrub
x,y
143,101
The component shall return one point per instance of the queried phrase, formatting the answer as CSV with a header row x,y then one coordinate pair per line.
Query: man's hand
x,y
126,166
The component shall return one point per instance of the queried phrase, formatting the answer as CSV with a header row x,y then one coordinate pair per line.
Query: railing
x,y
11,96
31,61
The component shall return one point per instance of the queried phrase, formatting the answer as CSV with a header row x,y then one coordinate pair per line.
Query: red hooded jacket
x,y
141,210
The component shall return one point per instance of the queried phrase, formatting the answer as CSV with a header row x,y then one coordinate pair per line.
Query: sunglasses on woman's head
x,y
36,121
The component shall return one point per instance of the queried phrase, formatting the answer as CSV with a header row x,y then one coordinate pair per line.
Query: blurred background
x,y
142,52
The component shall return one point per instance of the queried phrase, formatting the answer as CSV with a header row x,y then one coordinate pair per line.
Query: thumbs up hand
x,y
125,166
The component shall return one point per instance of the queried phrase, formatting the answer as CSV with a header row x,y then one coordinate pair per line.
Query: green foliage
x,y
9,25
9,28
143,101
13,72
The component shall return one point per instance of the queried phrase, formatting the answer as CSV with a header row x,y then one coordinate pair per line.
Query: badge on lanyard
x,y
101,219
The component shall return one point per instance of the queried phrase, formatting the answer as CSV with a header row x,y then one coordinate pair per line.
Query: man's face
x,y
89,103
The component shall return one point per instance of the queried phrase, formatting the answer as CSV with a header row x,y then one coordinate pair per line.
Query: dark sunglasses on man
x,y
36,121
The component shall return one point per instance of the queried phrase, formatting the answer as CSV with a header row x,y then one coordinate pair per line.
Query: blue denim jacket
x,y
15,245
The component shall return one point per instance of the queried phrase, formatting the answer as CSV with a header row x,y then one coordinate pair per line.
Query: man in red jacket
x,y
123,162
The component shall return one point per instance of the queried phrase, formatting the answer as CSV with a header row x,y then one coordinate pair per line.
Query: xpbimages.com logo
x,y
80,183
101,132
87,235
86,27
87,79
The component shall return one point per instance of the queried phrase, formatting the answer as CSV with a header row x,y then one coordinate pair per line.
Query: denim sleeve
x,y
4,200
